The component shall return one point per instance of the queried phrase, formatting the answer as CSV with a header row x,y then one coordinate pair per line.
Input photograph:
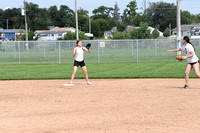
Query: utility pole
x,y
144,4
26,26
89,24
77,38
178,26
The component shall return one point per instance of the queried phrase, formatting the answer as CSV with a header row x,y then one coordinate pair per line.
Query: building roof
x,y
6,31
187,27
55,30
19,30
61,29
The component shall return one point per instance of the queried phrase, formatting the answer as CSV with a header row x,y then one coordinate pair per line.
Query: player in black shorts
x,y
79,61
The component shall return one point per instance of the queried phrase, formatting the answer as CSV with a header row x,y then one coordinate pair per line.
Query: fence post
x,y
132,48
19,52
102,50
98,52
155,47
14,51
114,44
44,50
137,51
5,47
59,53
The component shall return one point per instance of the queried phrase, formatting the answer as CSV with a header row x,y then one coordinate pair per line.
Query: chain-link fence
x,y
103,51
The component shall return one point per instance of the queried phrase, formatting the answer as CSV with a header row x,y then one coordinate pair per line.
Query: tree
x,y
121,35
155,33
83,20
99,26
102,12
186,18
160,14
72,36
137,19
141,33
130,12
54,15
167,32
197,18
37,18
65,14
121,27
15,19
116,13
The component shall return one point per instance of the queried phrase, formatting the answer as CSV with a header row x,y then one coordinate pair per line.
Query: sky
x,y
187,5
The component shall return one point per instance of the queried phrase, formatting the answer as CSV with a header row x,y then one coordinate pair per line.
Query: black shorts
x,y
77,63
194,63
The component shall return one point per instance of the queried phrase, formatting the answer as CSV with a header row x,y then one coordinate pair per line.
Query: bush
x,y
167,32
121,35
141,33
155,33
72,36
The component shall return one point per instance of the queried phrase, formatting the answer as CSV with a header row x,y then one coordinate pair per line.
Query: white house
x,y
53,34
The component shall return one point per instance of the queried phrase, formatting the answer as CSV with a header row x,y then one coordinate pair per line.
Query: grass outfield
x,y
113,70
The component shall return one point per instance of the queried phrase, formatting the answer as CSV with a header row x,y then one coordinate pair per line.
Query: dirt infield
x,y
106,106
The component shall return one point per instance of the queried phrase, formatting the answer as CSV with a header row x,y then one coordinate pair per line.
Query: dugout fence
x,y
103,51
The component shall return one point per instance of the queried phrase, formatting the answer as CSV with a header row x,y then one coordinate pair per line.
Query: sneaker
x,y
89,83
70,82
186,87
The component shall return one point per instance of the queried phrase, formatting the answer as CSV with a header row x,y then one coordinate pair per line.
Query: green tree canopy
x,y
130,12
102,12
116,13
72,36
83,20
187,18
160,14
37,18
54,15
99,26
141,33
121,35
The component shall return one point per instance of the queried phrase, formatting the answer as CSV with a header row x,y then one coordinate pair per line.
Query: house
x,y
152,29
109,34
19,32
7,34
53,34
191,30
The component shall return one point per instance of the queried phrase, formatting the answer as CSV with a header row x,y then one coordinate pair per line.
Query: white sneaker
x,y
70,82
89,83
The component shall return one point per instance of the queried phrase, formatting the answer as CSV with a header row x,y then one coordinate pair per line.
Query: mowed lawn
x,y
172,69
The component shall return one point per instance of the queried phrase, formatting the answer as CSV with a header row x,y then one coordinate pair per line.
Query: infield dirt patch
x,y
106,106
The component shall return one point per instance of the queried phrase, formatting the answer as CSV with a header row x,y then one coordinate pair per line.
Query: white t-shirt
x,y
79,54
187,49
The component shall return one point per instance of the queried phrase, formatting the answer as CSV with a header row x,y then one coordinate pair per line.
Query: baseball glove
x,y
180,57
88,46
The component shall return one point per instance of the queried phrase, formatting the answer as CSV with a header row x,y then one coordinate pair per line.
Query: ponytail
x,y
187,39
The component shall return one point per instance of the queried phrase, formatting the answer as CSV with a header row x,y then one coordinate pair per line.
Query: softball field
x,y
106,106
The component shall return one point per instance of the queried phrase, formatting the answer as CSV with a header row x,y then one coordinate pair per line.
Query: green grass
x,y
171,69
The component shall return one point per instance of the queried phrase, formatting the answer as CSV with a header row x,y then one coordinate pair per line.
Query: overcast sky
x,y
189,5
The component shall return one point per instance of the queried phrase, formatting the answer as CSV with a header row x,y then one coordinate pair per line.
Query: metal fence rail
x,y
103,51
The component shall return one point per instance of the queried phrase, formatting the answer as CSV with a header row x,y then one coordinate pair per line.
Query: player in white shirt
x,y
78,53
192,59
